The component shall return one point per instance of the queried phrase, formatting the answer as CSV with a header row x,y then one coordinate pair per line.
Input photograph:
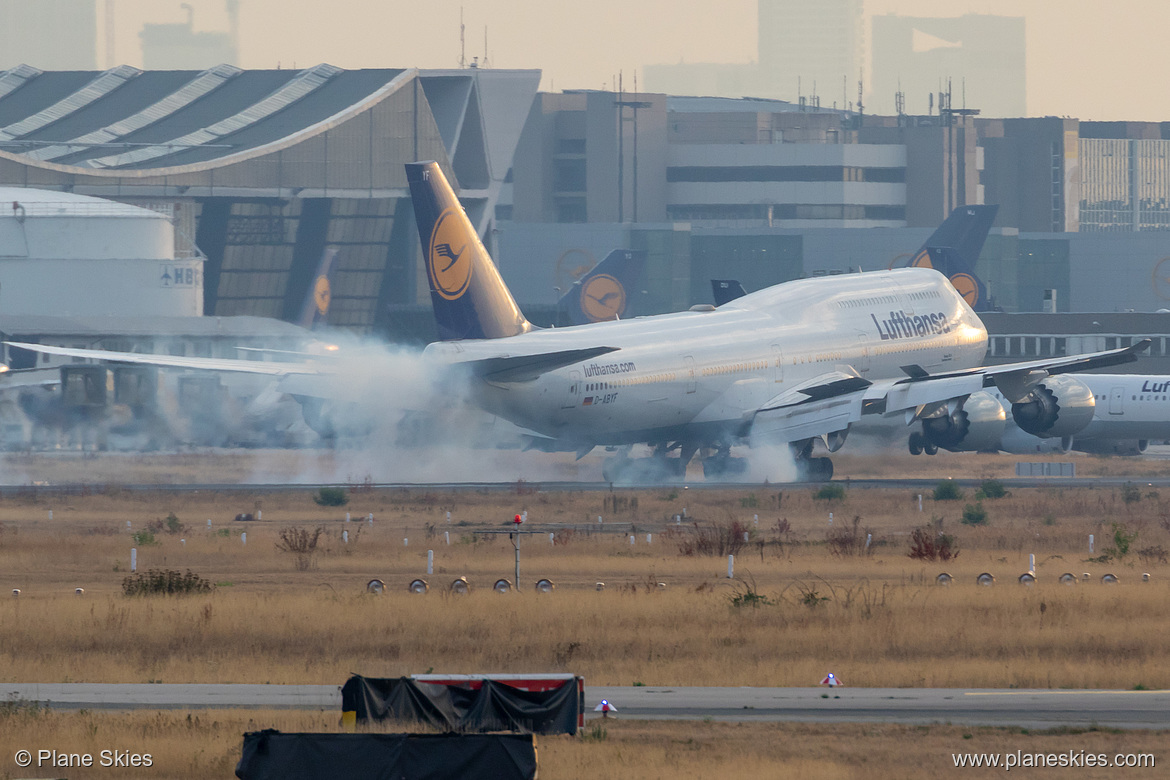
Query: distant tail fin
x,y
469,297
954,248
607,291
315,312
726,290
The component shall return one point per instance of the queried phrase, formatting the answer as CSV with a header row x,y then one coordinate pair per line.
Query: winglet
x,y
468,295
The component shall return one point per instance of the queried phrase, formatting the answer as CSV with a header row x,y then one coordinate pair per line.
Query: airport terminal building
x,y
261,169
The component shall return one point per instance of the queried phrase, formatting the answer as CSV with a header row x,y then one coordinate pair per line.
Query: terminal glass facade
x,y
1125,185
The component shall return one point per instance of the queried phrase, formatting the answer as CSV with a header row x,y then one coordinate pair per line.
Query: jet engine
x,y
1057,407
977,424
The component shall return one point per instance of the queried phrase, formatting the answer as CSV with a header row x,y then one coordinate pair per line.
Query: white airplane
x,y
1123,414
785,365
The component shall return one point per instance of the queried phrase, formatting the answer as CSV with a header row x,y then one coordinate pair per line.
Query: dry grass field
x,y
875,619
206,744
800,605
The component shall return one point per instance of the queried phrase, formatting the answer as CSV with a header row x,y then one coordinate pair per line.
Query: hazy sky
x,y
1086,58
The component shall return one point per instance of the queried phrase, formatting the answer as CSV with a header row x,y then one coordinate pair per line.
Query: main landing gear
x,y
808,468
722,466
658,468
920,444
662,467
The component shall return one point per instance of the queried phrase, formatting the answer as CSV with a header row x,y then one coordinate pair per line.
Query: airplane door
x,y
777,364
574,394
862,364
1116,397
690,373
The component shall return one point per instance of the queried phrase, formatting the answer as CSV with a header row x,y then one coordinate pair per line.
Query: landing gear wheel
x,y
930,448
723,466
917,443
819,470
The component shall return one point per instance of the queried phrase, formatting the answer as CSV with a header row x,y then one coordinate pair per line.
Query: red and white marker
x,y
605,708
831,681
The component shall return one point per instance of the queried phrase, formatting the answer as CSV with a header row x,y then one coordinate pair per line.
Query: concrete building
x,y
738,163
48,34
71,255
982,56
265,168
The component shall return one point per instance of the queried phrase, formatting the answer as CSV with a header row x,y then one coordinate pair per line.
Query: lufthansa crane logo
x,y
603,298
322,296
967,287
451,252
922,260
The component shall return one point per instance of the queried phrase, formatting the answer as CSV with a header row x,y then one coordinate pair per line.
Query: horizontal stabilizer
x,y
525,368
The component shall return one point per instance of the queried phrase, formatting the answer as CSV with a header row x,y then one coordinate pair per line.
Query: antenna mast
x,y
462,42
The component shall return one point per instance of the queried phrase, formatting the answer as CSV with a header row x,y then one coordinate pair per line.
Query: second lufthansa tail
x,y
608,292
315,311
954,248
468,295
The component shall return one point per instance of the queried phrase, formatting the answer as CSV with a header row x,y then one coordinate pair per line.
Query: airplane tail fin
x,y
468,295
315,311
726,290
954,248
608,290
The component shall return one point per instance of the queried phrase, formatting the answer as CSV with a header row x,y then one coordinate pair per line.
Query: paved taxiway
x,y
1022,708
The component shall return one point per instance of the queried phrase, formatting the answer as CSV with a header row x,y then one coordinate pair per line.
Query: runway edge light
x,y
831,681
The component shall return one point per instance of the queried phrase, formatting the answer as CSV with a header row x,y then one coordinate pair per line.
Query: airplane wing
x,y
270,368
833,401
525,368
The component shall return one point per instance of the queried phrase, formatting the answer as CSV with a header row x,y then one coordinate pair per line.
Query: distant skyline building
x,y
982,55
48,34
180,47
809,48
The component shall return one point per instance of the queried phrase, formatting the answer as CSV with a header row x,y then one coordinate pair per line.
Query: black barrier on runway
x,y
271,755
486,705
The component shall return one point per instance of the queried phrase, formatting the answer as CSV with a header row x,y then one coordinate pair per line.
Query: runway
x,y
924,485
1035,709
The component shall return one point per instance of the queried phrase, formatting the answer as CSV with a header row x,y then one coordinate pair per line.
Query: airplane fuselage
x,y
699,375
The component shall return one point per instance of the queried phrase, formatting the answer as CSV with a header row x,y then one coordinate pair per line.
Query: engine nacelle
x,y
1018,442
1057,407
977,425
1112,446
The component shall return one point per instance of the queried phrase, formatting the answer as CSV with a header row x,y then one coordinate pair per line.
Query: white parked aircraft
x,y
1127,412
785,365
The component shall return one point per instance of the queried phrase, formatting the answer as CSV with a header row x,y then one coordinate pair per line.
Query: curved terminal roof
x,y
318,132
125,118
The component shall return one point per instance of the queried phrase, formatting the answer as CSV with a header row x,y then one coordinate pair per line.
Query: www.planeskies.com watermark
x,y
1072,758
